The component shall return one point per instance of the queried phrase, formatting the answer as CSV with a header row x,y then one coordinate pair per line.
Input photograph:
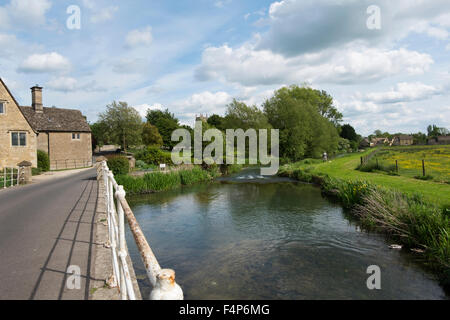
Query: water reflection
x,y
270,240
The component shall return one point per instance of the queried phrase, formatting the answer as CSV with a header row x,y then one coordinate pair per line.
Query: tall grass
x,y
409,220
372,166
158,181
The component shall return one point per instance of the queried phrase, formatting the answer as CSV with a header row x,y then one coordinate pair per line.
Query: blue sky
x,y
195,56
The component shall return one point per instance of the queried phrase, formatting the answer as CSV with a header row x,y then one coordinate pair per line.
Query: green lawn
x,y
344,168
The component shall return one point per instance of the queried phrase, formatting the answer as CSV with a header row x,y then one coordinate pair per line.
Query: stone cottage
x,y
403,140
63,133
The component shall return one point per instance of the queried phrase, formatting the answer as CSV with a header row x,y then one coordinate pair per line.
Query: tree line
x,y
308,121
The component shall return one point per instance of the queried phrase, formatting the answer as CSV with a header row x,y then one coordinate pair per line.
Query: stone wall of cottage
x,y
13,121
68,153
42,141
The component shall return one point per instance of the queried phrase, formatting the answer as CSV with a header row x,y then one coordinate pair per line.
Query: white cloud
x,y
353,64
69,84
100,13
139,37
104,14
143,108
299,26
404,92
47,62
430,30
64,84
204,102
24,13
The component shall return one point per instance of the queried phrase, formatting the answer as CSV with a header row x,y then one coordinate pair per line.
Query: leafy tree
x,y
304,130
151,136
123,124
241,116
434,131
216,121
166,124
326,107
43,161
100,134
419,138
348,132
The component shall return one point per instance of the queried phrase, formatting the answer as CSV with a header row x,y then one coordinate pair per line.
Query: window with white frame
x,y
75,136
18,139
2,107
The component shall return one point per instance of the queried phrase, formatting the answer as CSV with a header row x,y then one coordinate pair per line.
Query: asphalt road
x,y
45,228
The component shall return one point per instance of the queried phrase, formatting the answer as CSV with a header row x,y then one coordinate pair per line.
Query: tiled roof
x,y
55,119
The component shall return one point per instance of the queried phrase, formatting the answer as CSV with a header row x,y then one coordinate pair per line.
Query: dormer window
x,y
2,107
75,136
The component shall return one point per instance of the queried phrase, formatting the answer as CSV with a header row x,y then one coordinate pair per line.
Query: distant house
x,y
63,133
365,143
440,140
379,142
403,140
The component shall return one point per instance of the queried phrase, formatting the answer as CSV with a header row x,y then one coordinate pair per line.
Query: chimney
x,y
36,98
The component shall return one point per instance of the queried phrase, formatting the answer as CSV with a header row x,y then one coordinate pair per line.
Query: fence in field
x,y
10,177
163,280
69,164
394,166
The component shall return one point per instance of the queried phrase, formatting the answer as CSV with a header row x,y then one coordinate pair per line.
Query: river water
x,y
253,237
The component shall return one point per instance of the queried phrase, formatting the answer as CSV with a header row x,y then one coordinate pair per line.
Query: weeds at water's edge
x,y
159,181
408,220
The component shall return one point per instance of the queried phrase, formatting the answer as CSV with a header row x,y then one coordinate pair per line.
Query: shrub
x,y
372,166
43,161
425,178
195,175
118,165
141,164
35,171
154,155
350,193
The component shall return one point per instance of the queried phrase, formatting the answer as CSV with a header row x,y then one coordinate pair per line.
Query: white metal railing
x,y
162,280
11,181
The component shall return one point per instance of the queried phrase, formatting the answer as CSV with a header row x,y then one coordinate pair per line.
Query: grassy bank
x,y
344,168
158,181
404,209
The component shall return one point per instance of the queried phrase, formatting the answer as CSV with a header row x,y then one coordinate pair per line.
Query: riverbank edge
x,y
102,271
327,184
165,181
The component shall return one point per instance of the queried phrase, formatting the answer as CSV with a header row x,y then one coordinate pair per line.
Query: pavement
x,y
46,229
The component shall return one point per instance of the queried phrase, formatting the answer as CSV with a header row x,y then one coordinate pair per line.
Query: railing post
x,y
114,228
163,280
